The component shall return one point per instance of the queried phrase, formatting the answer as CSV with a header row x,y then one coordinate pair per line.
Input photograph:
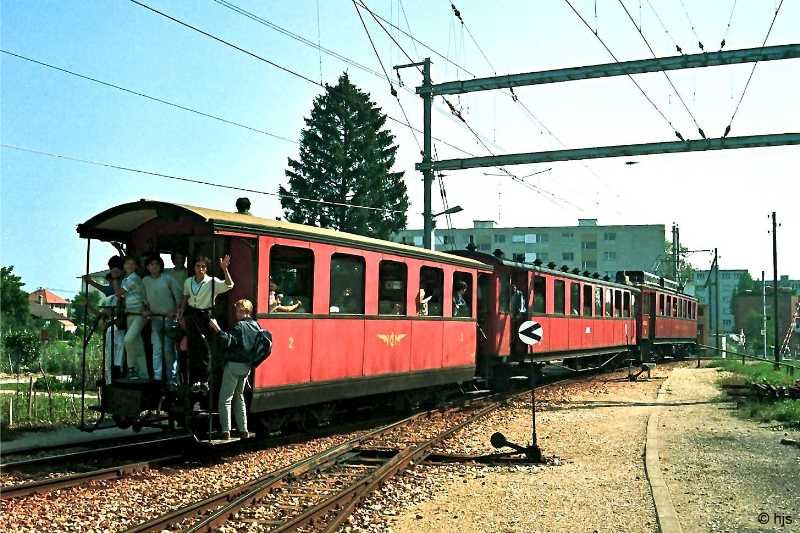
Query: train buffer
x,y
634,372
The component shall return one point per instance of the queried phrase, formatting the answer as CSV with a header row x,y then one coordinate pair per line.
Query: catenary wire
x,y
666,75
149,97
457,14
190,180
728,26
691,24
750,77
664,27
641,90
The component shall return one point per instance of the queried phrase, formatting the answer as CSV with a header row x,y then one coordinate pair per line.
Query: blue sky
x,y
719,198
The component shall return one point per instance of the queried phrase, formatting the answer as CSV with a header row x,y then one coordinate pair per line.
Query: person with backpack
x,y
244,348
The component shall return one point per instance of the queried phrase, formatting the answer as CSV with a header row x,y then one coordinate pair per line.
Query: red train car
x,y
585,321
368,316
667,319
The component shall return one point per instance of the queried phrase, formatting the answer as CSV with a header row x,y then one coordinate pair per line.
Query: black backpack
x,y
262,347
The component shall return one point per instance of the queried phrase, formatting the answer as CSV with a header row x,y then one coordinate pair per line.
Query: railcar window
x,y
484,300
675,307
291,273
462,294
347,284
559,297
587,300
505,291
661,304
575,298
626,305
392,282
646,303
598,301
431,288
608,302
617,304
539,294
668,311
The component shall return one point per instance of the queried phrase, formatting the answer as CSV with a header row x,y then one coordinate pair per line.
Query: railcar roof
x,y
118,222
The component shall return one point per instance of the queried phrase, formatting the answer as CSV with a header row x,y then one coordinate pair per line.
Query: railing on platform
x,y
790,368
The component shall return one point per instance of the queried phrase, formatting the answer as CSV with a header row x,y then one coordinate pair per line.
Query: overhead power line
x,y
728,27
149,97
691,24
614,57
664,27
666,75
750,77
197,181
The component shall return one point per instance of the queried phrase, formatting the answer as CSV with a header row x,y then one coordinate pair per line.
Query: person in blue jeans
x,y
238,346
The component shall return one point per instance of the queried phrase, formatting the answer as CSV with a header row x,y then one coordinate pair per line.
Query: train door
x,y
519,311
486,304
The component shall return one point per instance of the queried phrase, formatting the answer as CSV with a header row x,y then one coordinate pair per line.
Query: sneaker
x,y
224,435
243,434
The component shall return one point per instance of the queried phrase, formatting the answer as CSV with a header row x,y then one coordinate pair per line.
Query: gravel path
x,y
596,480
722,471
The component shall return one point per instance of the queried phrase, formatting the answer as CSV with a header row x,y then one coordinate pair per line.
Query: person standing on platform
x,y
132,291
178,270
162,296
199,293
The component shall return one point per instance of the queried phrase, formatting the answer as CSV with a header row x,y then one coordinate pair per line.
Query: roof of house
x,y
48,297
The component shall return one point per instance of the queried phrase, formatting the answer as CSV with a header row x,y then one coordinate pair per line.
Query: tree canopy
x,y
16,309
346,158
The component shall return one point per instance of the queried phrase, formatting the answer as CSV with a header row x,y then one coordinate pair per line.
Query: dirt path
x,y
723,472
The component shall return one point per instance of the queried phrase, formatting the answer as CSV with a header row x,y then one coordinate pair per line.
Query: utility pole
x,y
674,261
677,247
764,311
716,300
427,172
775,316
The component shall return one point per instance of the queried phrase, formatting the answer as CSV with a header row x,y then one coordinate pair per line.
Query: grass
x,y
786,412
46,413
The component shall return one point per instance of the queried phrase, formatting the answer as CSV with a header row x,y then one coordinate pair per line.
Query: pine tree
x,y
346,157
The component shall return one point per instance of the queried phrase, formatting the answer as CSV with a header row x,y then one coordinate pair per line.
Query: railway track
x,y
322,490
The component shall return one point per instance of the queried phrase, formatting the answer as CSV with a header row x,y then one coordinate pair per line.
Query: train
x,y
378,322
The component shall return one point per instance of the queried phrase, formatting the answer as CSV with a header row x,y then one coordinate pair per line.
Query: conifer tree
x,y
346,157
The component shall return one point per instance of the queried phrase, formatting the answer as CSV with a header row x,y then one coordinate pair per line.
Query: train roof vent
x,y
498,253
564,268
538,262
471,244
243,206
586,273
596,275
576,270
606,278
551,265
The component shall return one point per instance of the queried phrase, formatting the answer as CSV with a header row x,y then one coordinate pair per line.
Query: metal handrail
x,y
755,358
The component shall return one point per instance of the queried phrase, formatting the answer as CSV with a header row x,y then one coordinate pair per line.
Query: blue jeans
x,y
163,350
232,390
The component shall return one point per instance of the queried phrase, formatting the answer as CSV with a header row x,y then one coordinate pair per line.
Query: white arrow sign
x,y
531,332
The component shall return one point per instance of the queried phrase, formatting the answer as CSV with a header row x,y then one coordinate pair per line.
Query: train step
x,y
480,392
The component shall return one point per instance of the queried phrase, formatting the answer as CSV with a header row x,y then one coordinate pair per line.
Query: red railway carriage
x,y
667,319
582,318
351,316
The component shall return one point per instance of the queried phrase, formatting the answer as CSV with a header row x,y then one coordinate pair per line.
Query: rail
x,y
789,367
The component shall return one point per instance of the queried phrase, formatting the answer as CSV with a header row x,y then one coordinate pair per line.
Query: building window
x,y
462,294
539,294
587,300
589,245
726,275
392,281
449,239
518,238
610,256
292,271
484,247
610,236
431,281
726,323
567,235
519,258
530,238
589,265
347,284
530,257
417,240
499,237
575,298
544,237
567,256
542,256
559,297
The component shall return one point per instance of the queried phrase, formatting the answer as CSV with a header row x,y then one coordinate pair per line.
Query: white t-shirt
x,y
199,293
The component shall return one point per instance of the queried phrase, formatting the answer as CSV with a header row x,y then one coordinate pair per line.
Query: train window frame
x,y
574,307
334,304
539,294
466,277
588,293
559,294
617,303
431,276
385,299
626,304
277,275
661,299
483,293
598,301
668,308
608,300
675,306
